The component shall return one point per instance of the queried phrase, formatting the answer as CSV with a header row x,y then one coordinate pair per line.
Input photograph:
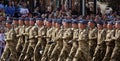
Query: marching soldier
x,y
48,39
32,40
41,41
16,27
74,41
53,41
92,37
116,51
26,34
58,39
20,43
67,36
100,49
109,41
82,53
10,45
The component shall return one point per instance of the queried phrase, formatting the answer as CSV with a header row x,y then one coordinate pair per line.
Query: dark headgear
x,y
92,21
111,22
59,21
74,22
100,22
82,22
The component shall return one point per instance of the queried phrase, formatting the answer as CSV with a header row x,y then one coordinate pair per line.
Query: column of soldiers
x,y
63,39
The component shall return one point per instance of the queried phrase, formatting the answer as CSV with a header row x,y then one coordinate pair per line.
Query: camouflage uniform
x,y
116,52
20,43
66,46
59,44
48,39
110,44
10,46
32,43
82,53
74,44
26,34
40,44
100,49
92,40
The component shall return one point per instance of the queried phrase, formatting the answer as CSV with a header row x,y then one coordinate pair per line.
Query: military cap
x,y
49,20
118,22
15,19
74,22
54,20
27,19
67,21
82,22
86,21
100,22
111,22
32,19
92,21
105,22
9,21
21,18
39,19
59,21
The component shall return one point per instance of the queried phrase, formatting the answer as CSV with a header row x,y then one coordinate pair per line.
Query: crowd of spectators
x,y
15,9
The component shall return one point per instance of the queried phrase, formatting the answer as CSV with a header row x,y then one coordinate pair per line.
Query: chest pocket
x,y
84,35
108,35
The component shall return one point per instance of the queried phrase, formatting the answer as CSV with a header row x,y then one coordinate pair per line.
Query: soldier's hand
x,y
36,36
50,42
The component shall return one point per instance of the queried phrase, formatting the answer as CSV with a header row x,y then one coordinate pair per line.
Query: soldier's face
x,y
53,23
81,26
99,26
8,25
20,22
15,22
49,24
117,26
32,23
26,22
75,25
57,25
66,25
109,26
90,24
105,25
39,23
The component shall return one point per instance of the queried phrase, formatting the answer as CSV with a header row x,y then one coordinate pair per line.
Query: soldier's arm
x,y
117,37
69,35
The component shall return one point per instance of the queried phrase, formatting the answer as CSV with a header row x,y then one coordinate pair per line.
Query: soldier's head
x,y
110,25
91,23
32,21
8,24
100,25
70,23
15,21
49,22
53,22
66,23
105,24
75,24
26,21
39,21
21,21
117,25
82,24
58,23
